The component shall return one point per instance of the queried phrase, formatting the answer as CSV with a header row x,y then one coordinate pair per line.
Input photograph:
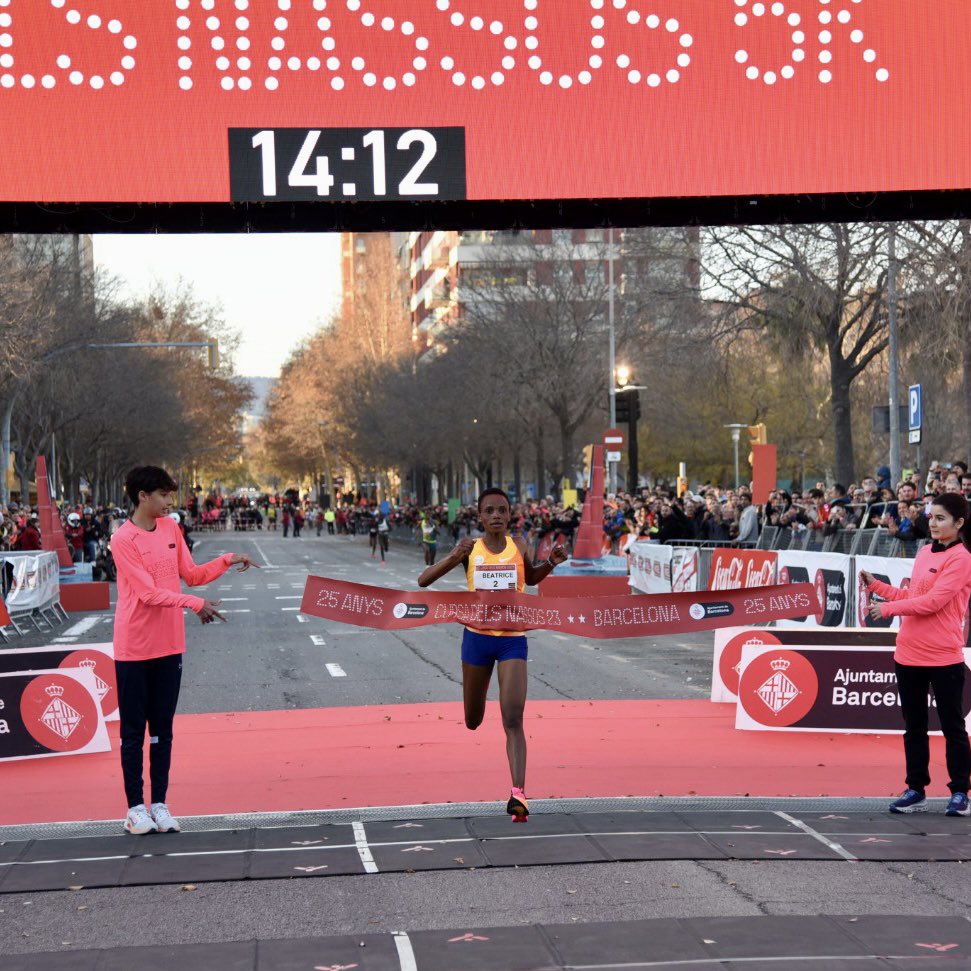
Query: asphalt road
x,y
269,657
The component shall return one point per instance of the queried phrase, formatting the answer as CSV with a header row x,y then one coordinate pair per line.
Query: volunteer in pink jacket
x,y
930,653
151,556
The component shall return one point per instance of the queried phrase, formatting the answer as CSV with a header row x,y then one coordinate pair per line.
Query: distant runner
x,y
429,538
497,562
384,534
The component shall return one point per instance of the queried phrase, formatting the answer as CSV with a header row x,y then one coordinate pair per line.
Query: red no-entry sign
x,y
613,439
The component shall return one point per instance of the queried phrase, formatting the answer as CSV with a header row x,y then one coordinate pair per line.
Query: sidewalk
x,y
340,758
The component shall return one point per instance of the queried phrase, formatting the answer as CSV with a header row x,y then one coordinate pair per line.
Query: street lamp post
x,y
736,428
612,397
894,358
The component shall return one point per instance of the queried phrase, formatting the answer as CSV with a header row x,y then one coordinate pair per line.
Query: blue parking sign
x,y
915,407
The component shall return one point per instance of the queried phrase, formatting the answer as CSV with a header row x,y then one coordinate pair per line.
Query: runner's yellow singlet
x,y
496,571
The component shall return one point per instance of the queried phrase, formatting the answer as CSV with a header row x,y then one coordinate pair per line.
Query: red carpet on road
x,y
338,758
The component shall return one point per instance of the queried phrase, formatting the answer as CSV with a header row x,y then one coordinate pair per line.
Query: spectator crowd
x,y
709,515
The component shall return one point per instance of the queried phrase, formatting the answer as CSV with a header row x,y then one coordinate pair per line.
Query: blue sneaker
x,y
958,805
911,801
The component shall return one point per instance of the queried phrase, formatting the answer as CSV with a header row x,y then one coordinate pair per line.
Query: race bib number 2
x,y
495,578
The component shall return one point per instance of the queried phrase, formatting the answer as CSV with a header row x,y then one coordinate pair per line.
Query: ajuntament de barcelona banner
x,y
362,100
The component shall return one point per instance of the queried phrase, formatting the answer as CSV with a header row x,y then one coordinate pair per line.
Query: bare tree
x,y
535,319
936,302
820,289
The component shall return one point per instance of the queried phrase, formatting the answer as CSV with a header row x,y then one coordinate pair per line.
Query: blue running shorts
x,y
484,648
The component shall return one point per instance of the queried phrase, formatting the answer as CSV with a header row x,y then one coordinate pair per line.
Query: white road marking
x,y
406,955
229,600
336,671
289,597
225,586
560,637
289,608
318,639
363,850
835,847
259,550
64,640
81,627
296,586
237,610
273,586
108,620
301,619
249,586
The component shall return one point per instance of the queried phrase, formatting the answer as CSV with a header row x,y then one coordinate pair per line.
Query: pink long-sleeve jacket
x,y
932,609
148,616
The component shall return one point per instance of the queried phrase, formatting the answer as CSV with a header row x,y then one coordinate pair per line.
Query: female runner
x,y
497,562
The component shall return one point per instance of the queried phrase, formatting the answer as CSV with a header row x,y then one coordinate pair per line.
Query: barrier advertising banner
x,y
830,572
232,100
650,567
663,569
684,569
98,657
730,641
741,569
895,571
847,689
601,617
34,580
50,713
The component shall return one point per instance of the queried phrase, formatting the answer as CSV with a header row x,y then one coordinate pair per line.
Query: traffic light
x,y
622,408
756,436
628,406
587,460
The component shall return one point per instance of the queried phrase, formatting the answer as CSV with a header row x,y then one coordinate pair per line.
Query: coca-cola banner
x,y
606,617
741,569
98,657
730,641
34,580
650,567
48,713
830,572
846,688
895,571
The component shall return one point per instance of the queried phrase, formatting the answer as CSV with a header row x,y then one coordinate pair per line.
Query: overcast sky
x,y
274,288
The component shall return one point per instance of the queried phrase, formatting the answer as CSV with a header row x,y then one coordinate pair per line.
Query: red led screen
x,y
220,100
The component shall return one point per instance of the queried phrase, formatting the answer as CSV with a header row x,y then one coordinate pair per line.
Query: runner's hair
x,y
147,478
494,491
956,506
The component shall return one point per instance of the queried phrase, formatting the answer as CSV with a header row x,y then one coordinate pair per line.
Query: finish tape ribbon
x,y
621,615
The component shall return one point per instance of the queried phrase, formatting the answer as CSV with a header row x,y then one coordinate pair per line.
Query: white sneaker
x,y
139,822
165,822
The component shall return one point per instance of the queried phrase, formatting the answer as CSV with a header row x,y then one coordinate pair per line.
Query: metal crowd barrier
x,y
44,617
853,542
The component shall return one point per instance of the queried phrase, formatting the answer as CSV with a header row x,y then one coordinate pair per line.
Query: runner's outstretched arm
x,y
458,557
537,572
